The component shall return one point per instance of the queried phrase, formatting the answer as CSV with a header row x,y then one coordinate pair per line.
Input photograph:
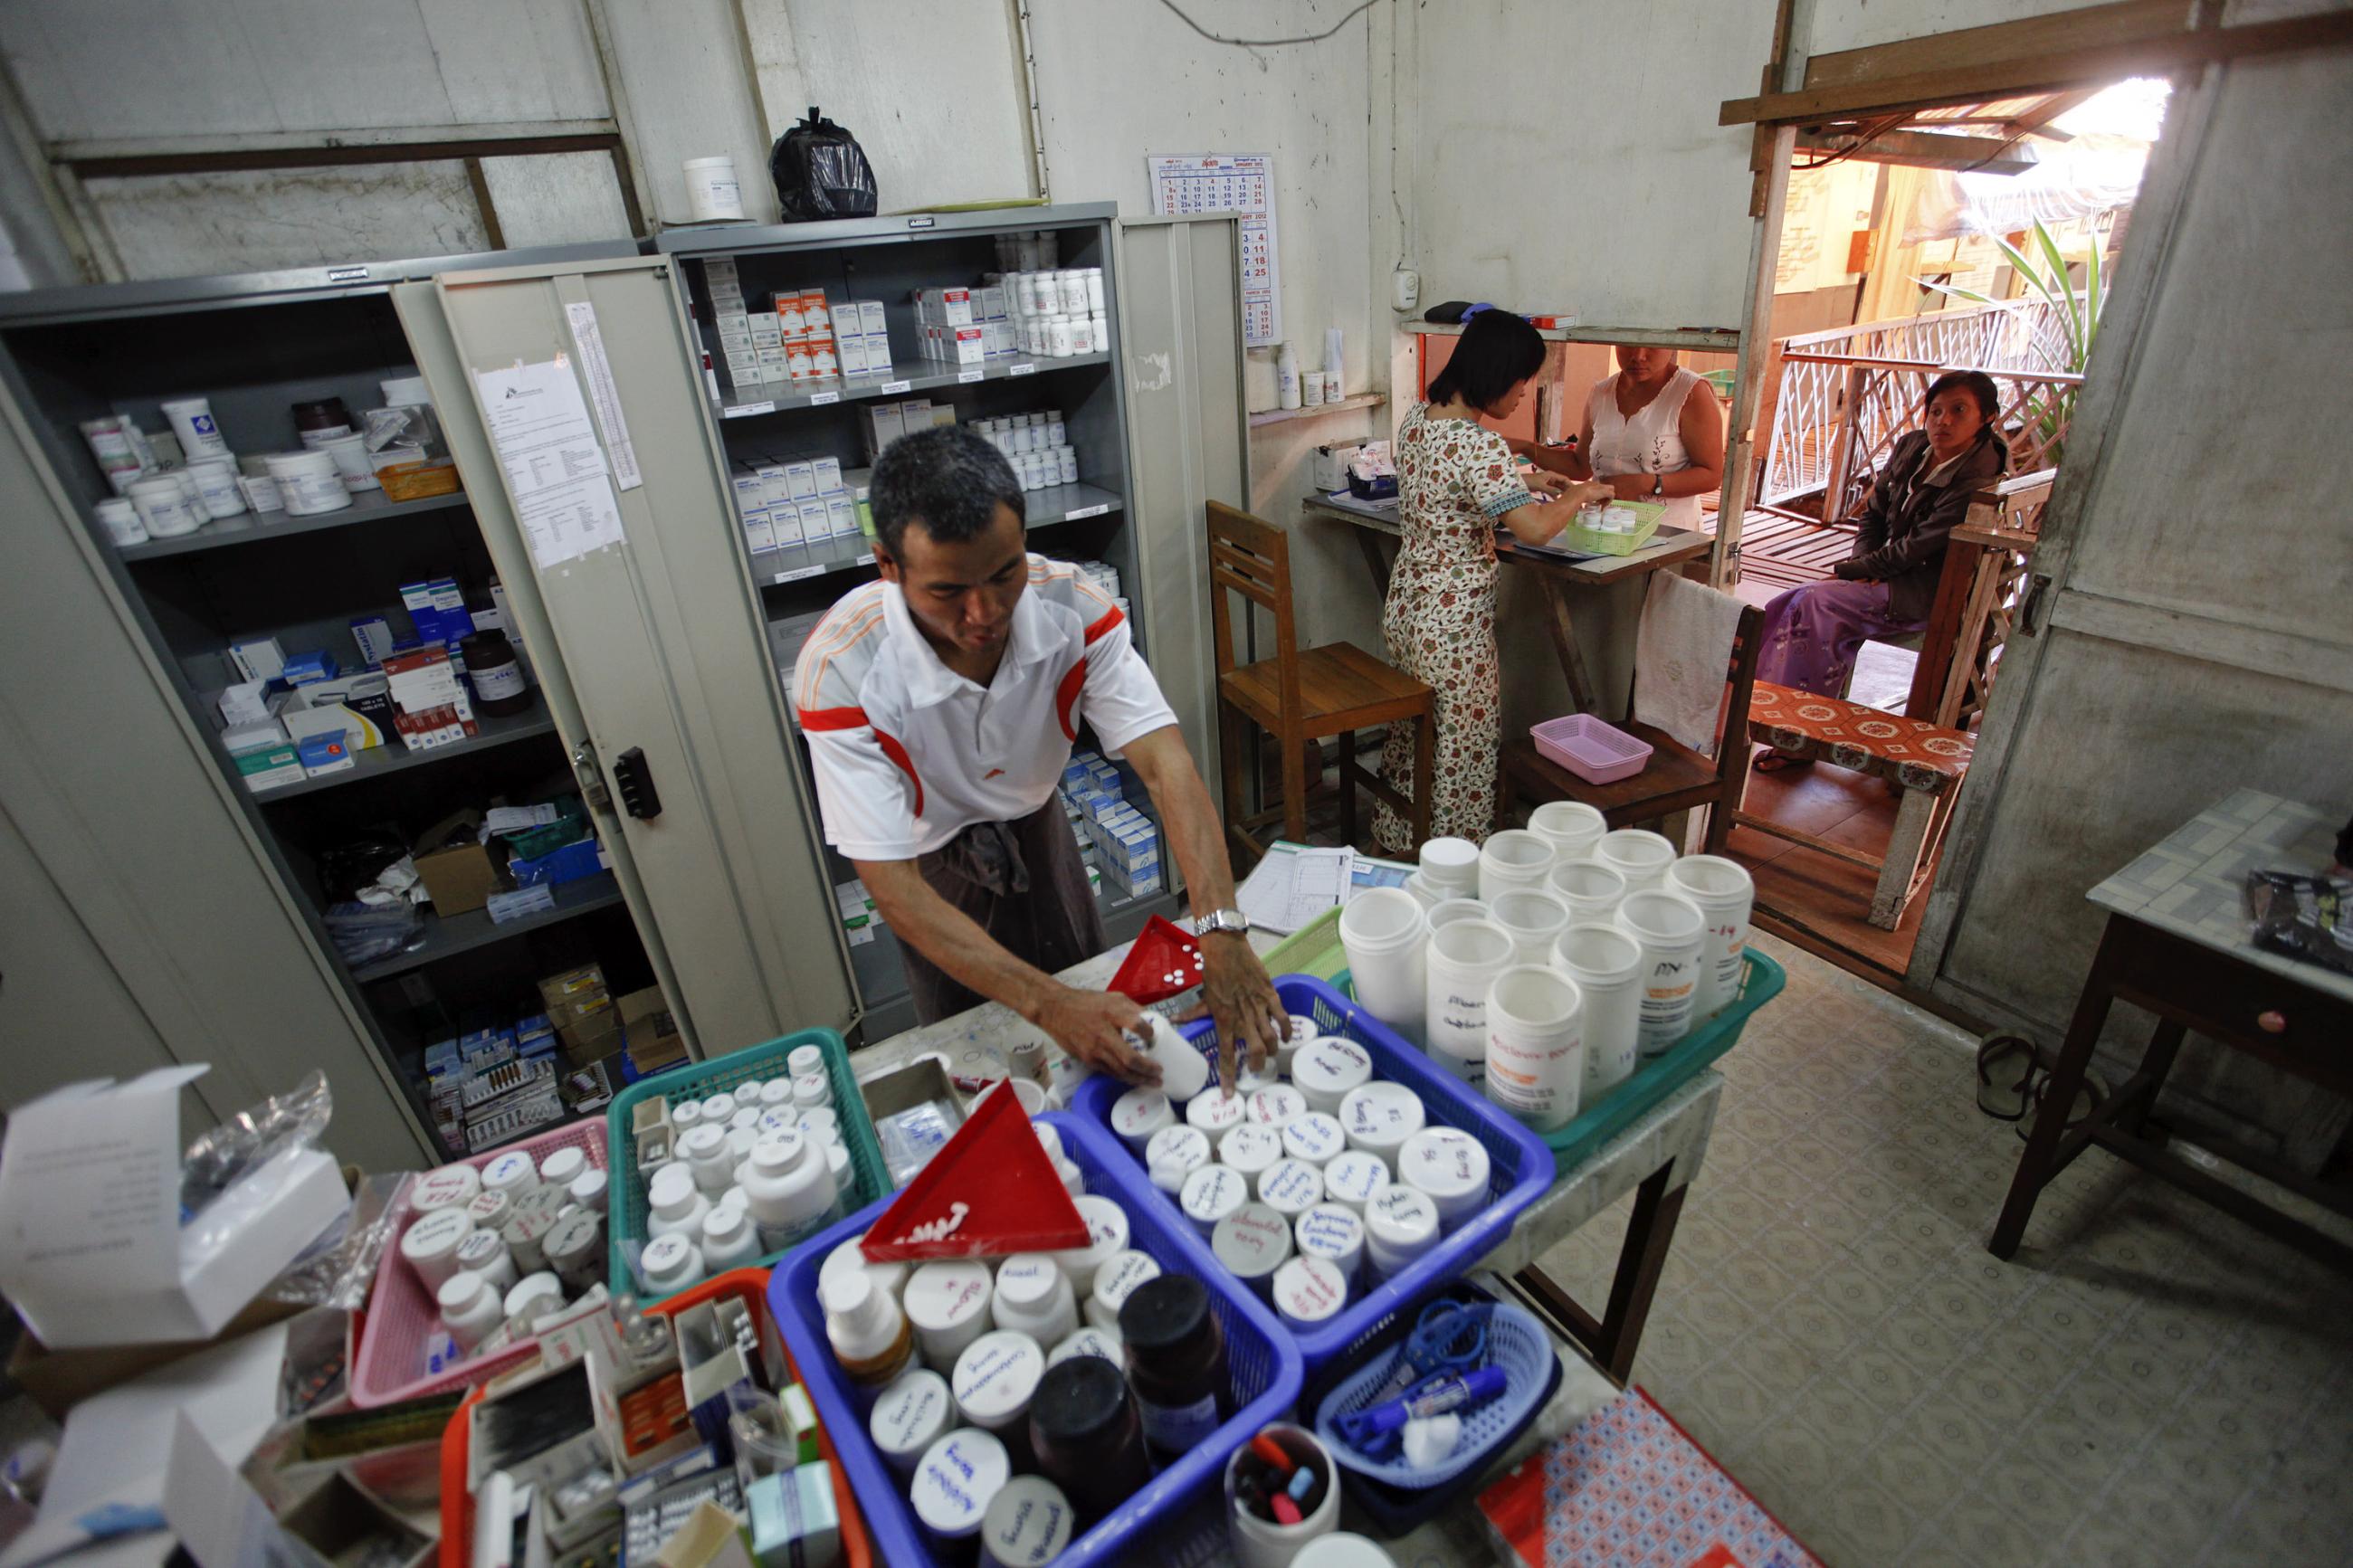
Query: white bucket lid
x,y
1330,1066
1252,1242
997,1375
1278,1105
947,1293
1250,1149
1381,1115
1290,1187
956,1479
912,1414
1313,1137
1212,1192
1443,1162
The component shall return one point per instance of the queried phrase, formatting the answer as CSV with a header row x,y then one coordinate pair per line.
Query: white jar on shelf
x,y
1066,462
1096,291
1082,334
1059,337
1099,327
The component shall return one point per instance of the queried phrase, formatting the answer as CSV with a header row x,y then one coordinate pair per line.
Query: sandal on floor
x,y
1772,761
2008,1076
2088,1101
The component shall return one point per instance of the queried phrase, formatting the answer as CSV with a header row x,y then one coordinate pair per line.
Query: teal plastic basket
x,y
625,1223
1761,980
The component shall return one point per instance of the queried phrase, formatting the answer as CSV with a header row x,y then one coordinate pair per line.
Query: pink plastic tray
x,y
1593,751
401,1316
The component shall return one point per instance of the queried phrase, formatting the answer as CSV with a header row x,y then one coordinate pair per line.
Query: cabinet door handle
x,y
633,782
2272,1021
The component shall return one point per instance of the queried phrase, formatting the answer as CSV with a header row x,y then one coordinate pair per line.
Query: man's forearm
x,y
951,939
1196,838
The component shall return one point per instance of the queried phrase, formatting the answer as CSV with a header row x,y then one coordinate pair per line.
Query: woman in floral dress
x,y
1456,481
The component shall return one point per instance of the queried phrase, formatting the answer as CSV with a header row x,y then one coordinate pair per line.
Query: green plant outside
x,y
2050,411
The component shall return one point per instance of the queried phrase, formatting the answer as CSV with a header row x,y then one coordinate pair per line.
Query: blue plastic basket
x,y
625,1193
1261,1363
1519,1165
1515,1341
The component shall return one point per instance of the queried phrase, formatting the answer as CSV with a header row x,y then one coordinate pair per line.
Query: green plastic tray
x,y
1316,949
1663,1074
626,1196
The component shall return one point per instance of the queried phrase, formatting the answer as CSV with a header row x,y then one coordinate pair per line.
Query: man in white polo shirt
x,y
941,704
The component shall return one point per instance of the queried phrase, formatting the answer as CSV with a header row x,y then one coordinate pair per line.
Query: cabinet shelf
x,y
1047,506
392,757
446,937
247,528
925,375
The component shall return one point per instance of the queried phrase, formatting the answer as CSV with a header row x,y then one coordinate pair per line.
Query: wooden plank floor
x,y
1808,892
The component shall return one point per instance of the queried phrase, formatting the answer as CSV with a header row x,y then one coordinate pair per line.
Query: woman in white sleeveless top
x,y
1653,431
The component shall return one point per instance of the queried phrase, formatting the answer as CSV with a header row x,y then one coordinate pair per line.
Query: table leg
x,y
1564,643
2164,1045
1649,1232
2036,1165
1377,559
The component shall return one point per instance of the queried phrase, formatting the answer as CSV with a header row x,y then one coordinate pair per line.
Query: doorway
x,y
1982,235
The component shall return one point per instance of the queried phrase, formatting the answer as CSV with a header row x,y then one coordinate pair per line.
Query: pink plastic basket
x,y
1593,751
402,1316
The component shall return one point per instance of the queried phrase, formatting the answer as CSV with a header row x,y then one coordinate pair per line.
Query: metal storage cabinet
x,y
199,896
671,642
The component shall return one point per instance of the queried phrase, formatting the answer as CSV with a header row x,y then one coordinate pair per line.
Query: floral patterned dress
x,y
1454,480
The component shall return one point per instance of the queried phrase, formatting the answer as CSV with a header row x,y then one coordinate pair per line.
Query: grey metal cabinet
x,y
201,897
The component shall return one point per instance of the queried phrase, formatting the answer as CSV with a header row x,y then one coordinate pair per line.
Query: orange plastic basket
x,y
746,1284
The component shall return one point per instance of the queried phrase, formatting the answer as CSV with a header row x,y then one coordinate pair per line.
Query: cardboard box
x,y
90,1205
59,1380
654,1040
459,871
260,659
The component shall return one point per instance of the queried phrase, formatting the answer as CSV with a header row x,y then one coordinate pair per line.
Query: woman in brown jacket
x,y
1889,584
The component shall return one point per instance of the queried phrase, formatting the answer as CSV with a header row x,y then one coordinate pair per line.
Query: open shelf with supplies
x,y
346,586
777,433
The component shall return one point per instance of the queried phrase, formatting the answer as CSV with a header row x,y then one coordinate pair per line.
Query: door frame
x,y
2095,39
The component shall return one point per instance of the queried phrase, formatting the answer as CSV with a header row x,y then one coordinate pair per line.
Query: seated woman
x,y
1456,483
1889,584
1652,433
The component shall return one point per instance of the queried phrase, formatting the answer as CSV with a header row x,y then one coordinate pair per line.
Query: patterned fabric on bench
x,y
1915,753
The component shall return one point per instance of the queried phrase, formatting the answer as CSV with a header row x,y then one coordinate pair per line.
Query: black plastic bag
x,y
821,171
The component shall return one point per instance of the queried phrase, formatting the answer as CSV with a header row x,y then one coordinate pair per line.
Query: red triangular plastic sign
x,y
990,1192
1165,961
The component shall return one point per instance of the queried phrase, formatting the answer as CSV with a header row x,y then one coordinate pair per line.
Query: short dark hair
x,y
950,478
1495,353
1976,383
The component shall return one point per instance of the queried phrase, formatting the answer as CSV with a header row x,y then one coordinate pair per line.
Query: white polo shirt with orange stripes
x,y
908,754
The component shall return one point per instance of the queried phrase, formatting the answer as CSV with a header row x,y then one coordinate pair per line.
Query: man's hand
x,y
1548,486
1236,992
1087,1025
1581,493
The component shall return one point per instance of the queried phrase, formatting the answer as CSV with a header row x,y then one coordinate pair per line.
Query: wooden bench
x,y
1925,762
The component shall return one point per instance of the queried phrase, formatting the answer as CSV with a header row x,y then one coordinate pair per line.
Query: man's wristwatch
x,y
1232,920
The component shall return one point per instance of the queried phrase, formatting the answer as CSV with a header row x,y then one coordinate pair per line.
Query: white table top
x,y
2192,882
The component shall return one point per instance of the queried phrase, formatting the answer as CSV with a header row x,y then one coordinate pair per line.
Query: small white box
x,y
784,524
89,1199
963,345
771,358
259,660
751,494
731,337
245,703
824,362
989,303
955,306
817,315
870,319
789,315
841,514
718,267
758,532
800,476
878,354
851,354
887,423
827,474
774,489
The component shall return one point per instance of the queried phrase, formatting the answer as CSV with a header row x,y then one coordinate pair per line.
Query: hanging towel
x,y
1681,653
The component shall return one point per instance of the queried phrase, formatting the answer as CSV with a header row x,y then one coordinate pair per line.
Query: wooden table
x,y
1373,520
2176,944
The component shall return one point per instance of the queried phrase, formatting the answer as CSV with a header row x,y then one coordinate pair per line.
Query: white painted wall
x,y
1568,157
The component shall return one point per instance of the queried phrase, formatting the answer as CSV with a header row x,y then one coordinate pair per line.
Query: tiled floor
x,y
2148,1383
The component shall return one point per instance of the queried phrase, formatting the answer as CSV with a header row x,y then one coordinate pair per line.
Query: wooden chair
x,y
1676,778
1301,695
1987,560
1925,762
